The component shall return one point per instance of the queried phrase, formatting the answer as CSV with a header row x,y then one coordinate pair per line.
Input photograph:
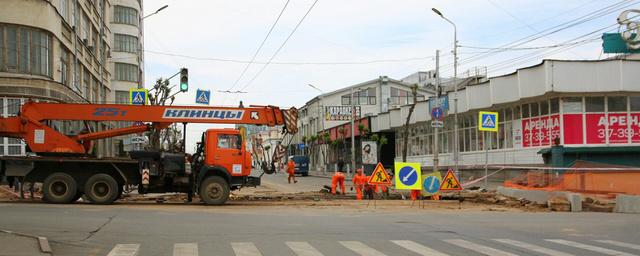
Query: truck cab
x,y
221,163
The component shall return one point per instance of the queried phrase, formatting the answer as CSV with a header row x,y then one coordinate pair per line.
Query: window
x,y
635,103
544,108
86,30
64,9
617,104
555,106
403,97
534,109
125,43
525,111
125,15
122,97
25,50
86,84
229,141
572,105
594,104
126,72
64,66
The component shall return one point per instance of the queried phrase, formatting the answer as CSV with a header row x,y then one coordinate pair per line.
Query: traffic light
x,y
184,79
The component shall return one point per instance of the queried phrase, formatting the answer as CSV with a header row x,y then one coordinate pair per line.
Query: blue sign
x,y
408,175
431,184
301,146
437,113
138,96
202,96
443,102
488,121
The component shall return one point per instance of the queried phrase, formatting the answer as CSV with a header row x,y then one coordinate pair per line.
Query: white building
x,y
581,103
330,112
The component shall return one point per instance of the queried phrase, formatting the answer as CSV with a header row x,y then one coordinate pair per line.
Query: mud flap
x,y
252,181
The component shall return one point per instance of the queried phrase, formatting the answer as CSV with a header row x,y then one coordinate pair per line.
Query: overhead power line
x,y
260,47
279,48
527,48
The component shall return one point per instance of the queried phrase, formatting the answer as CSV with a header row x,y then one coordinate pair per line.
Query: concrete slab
x,y
15,245
576,201
627,204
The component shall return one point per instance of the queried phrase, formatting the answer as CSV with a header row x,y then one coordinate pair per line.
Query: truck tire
x,y
214,190
59,188
101,189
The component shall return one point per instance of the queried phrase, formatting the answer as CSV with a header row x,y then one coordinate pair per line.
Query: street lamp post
x,y
156,12
455,92
320,115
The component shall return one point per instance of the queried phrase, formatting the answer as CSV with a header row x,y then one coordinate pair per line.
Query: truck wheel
x,y
214,190
101,189
59,188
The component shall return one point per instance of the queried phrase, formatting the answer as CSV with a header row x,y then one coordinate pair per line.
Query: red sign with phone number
x,y
540,131
620,128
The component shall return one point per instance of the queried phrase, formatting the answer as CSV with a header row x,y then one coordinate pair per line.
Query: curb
x,y
43,242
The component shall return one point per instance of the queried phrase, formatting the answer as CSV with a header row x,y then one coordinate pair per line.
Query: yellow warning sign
x,y
380,176
450,183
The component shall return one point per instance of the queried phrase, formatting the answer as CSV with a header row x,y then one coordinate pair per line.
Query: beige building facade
x,y
56,51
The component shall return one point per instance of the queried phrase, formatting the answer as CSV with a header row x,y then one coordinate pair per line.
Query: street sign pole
x,y
435,129
486,160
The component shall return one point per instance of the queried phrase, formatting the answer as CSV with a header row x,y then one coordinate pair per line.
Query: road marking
x,y
418,248
185,249
590,247
478,248
125,250
245,249
361,248
621,244
535,248
303,249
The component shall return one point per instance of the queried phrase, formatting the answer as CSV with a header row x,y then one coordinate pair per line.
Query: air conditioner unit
x,y
91,48
85,41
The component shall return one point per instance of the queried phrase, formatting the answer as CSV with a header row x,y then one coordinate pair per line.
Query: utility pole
x,y
353,137
435,129
321,116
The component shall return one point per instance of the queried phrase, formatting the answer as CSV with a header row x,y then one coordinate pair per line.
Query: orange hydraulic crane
x,y
30,126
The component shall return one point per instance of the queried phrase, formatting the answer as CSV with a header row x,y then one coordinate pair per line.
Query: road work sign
x,y
431,184
380,176
408,175
450,183
138,96
488,121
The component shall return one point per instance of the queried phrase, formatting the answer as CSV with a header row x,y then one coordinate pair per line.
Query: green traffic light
x,y
184,87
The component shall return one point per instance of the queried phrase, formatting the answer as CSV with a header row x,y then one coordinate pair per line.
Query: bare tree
x,y
405,135
160,95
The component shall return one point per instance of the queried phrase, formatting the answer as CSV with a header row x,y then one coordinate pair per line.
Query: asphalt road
x,y
303,229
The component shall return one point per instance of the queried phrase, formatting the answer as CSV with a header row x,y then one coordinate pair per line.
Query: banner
x,y
340,113
369,152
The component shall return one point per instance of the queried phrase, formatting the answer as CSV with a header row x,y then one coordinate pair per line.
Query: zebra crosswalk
x,y
447,247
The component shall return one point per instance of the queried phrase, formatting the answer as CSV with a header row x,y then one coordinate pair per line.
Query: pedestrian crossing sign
x,y
380,176
450,182
138,96
202,96
488,121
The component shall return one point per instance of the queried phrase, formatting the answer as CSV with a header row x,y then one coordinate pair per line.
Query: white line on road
x,y
245,249
361,248
590,247
303,249
621,244
533,247
478,248
185,249
418,248
125,250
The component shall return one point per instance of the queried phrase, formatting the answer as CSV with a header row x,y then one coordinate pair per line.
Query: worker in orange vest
x,y
415,193
338,178
359,182
291,170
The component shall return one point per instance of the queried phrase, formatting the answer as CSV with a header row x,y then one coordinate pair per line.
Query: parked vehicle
x,y
302,165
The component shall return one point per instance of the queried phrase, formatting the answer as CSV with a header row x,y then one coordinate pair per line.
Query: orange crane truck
x,y
63,165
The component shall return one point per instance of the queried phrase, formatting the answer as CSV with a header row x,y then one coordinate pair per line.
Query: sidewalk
x,y
16,245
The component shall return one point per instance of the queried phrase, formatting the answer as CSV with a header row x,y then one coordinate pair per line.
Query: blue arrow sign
x,y
431,184
437,113
408,175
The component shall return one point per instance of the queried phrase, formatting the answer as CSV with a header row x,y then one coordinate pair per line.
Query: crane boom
x,y
30,124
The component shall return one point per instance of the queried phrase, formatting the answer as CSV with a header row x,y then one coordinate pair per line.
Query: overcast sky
x,y
401,35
